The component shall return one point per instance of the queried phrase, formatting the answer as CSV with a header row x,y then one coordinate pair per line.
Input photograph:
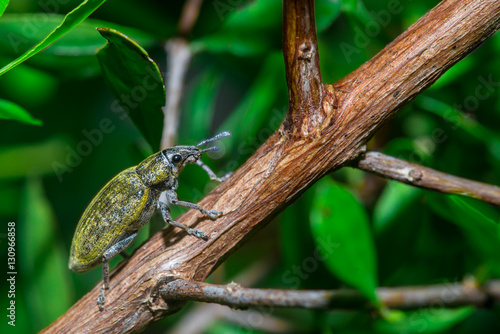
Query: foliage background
x,y
384,233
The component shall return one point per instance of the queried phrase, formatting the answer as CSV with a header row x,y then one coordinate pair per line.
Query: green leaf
x,y
74,17
44,257
356,9
256,14
337,215
3,6
135,81
453,74
72,55
256,110
10,110
249,30
42,86
478,221
326,13
457,119
17,161
423,321
229,42
200,106
396,198
10,192
294,232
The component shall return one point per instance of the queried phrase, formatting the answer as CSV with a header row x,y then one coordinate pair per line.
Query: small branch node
x,y
415,175
305,51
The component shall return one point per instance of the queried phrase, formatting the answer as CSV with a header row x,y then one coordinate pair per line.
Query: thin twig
x,y
189,16
427,178
235,296
178,59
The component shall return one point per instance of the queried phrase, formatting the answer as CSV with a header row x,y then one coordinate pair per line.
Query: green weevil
x,y
111,221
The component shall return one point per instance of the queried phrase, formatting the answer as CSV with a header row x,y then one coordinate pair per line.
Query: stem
x,y
427,178
303,75
178,60
411,297
189,16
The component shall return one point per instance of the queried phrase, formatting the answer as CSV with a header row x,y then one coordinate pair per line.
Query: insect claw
x,y
101,299
197,233
223,178
212,213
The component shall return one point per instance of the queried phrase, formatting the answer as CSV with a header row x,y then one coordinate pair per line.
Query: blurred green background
x,y
371,232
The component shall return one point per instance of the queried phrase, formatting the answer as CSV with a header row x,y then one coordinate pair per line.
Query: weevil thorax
x,y
161,170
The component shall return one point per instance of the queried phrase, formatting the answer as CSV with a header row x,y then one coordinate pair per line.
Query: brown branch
x,y
286,165
235,296
178,59
427,178
198,318
189,16
303,75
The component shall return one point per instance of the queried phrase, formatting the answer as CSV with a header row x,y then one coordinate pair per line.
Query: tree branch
x,y
427,178
286,165
235,296
303,75
198,318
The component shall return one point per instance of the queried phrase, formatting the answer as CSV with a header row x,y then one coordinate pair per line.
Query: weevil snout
x,y
181,155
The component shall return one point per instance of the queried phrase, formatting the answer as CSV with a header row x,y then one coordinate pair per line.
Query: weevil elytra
x,y
111,221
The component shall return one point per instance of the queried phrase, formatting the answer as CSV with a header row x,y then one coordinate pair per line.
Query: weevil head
x,y
161,170
179,156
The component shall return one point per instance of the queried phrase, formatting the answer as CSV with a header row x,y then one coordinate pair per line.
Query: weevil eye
x,y
176,158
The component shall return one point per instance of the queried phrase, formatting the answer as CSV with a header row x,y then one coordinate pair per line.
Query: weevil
x,y
111,221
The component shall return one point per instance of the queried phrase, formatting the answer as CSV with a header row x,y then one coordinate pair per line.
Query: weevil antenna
x,y
210,149
223,134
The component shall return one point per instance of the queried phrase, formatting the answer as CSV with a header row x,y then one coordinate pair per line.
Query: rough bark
x,y
316,139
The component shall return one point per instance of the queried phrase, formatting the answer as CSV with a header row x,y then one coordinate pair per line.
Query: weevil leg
x,y
165,212
112,251
211,174
172,199
211,213
124,255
